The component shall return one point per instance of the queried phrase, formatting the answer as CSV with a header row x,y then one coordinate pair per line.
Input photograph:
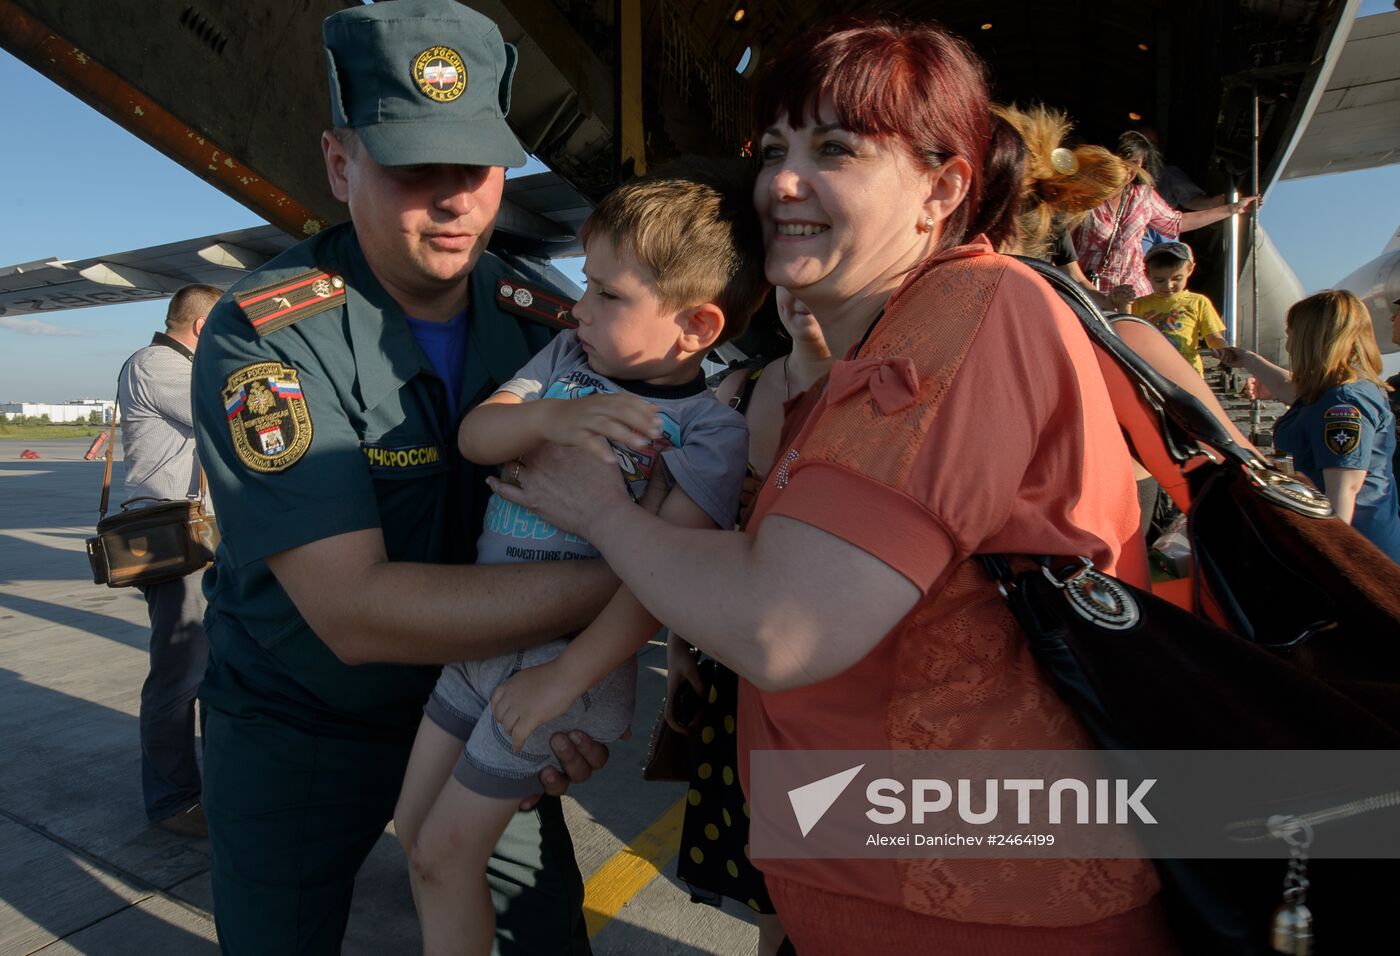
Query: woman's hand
x,y
681,667
1255,389
625,419
1195,219
1233,357
1121,297
571,488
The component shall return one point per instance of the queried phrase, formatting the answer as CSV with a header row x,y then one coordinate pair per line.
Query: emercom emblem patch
x,y
1342,437
267,416
1341,428
440,74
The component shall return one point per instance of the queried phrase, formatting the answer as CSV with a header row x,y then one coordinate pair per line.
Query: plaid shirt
x,y
1122,264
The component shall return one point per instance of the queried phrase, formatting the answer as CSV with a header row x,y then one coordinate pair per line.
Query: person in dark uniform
x,y
1339,428
327,390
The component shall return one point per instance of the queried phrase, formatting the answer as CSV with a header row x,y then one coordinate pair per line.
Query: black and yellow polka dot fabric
x,y
715,835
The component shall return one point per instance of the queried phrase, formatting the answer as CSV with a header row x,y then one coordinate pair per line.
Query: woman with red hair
x,y
968,416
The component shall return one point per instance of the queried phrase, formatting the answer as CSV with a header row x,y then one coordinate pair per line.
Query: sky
x,y
73,185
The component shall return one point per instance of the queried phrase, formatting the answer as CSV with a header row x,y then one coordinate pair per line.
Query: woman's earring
x,y
926,225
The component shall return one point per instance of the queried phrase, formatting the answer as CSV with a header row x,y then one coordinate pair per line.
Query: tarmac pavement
x,y
81,871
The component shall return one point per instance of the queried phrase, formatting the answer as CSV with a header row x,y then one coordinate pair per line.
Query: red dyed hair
x,y
917,83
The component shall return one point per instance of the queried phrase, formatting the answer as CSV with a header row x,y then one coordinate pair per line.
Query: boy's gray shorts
x,y
488,764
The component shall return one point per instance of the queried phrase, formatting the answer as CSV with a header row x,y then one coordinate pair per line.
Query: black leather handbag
x,y
1294,644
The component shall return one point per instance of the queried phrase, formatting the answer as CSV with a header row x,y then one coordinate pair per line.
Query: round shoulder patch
x,y
267,416
440,74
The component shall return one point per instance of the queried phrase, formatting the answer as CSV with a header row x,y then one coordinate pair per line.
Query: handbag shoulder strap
x,y
1117,225
111,440
1180,410
175,346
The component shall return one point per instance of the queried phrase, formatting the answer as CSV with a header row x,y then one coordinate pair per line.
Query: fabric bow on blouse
x,y
892,382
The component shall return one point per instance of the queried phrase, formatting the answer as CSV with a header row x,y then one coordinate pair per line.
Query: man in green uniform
x,y
327,391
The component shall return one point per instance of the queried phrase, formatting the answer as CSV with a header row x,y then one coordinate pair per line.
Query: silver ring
x,y
515,478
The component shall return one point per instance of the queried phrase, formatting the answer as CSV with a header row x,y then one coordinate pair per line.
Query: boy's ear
x,y
1190,267
701,327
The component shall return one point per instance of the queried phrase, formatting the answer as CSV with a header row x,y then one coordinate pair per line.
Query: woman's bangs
x,y
862,88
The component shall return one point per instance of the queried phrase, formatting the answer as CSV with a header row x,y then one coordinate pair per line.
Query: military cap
x,y
422,81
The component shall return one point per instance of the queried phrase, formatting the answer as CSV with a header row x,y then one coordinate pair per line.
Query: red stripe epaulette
x,y
544,306
276,306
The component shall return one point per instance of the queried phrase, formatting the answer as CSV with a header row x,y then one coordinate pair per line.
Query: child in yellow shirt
x,y
1183,316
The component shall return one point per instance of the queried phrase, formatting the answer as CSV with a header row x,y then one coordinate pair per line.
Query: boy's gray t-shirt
x,y
705,448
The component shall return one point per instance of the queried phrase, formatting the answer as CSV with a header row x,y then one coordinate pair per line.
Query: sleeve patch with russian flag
x,y
544,306
267,416
278,305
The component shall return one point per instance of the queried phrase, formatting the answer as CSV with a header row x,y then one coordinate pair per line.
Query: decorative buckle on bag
x,y
1085,565
1288,491
1096,597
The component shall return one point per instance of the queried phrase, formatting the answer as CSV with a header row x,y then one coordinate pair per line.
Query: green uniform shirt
x,y
317,414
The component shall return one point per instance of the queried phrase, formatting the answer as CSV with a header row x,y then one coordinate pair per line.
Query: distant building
x,y
79,410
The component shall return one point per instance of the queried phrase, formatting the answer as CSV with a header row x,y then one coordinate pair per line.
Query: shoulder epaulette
x,y
291,299
529,301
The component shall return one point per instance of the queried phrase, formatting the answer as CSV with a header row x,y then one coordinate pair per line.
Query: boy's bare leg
x,y
447,865
430,763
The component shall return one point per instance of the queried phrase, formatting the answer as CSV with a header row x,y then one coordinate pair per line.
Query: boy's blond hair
x,y
1331,343
693,226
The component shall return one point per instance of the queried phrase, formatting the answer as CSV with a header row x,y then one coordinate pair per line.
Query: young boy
x,y
674,267
1182,316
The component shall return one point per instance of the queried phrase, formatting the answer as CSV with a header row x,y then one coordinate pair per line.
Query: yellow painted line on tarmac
x,y
631,869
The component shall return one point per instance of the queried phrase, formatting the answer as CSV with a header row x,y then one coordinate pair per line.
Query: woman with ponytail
x,y
1110,238
968,416
1060,184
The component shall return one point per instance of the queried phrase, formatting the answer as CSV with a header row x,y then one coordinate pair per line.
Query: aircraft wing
x,y
52,285
539,220
1357,122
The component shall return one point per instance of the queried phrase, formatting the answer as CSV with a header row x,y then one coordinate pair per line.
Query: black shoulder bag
x,y
1295,645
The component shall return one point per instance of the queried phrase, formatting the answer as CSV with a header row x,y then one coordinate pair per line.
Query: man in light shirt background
x,y
153,400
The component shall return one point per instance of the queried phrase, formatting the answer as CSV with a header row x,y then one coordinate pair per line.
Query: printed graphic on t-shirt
x,y
517,522
1179,325
636,466
576,384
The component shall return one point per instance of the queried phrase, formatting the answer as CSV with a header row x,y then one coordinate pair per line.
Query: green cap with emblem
x,y
422,81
